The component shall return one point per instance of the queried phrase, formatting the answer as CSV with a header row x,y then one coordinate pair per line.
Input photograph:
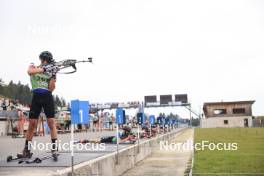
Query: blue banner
x,y
167,121
120,119
80,112
141,118
152,119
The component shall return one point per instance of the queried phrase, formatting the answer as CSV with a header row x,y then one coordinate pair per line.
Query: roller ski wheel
x,y
11,158
20,157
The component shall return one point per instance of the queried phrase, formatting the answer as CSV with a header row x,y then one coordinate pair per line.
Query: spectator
x,y
111,121
12,105
105,120
95,122
4,106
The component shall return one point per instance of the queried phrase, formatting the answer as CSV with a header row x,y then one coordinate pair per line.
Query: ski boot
x,y
54,154
25,154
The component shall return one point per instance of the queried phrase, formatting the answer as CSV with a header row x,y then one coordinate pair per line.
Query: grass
x,y
248,159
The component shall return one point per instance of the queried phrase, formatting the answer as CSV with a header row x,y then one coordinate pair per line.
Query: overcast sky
x,y
211,50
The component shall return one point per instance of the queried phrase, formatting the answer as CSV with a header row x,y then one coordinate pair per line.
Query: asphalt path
x,y
12,146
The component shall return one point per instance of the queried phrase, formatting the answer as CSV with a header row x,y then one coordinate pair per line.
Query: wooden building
x,y
227,114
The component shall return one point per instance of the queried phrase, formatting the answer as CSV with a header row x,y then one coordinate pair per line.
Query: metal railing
x,y
9,114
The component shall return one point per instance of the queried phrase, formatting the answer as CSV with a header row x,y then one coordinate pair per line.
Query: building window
x,y
239,111
226,122
219,111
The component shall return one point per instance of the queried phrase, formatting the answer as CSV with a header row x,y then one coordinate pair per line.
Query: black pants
x,y
39,101
108,139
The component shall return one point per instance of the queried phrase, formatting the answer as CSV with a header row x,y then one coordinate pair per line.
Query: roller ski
x,y
25,155
53,156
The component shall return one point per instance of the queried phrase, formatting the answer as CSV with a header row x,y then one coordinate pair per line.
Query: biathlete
x,y
43,80
127,137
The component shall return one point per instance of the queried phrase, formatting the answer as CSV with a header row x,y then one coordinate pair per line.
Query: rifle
x,y
54,67
70,63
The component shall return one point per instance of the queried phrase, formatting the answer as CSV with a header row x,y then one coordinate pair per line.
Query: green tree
x,y
23,93
1,87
